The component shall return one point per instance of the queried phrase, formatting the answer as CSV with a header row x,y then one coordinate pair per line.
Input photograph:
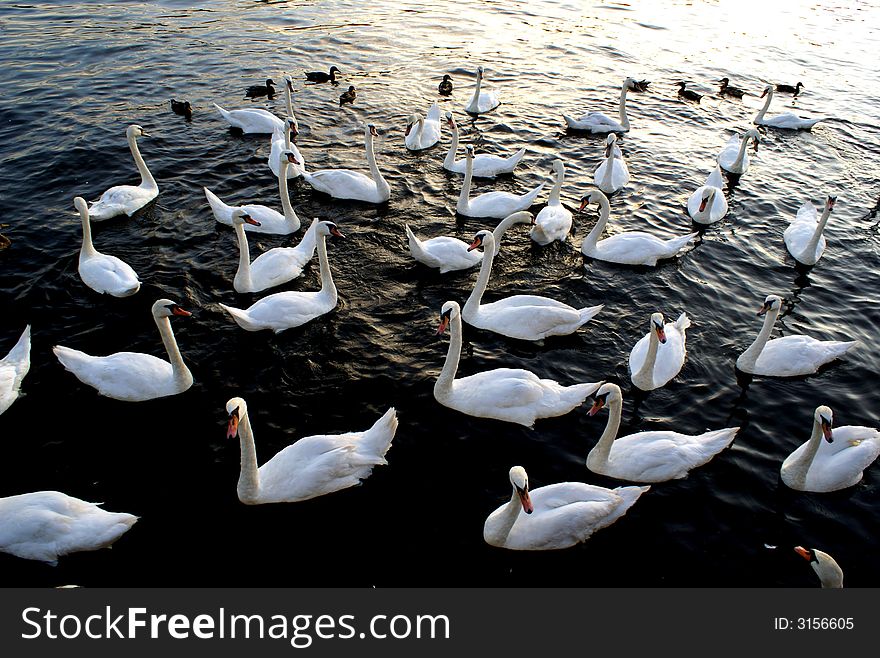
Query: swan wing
x,y
446,253
342,183
13,367
791,356
277,266
109,274
131,376
501,388
554,222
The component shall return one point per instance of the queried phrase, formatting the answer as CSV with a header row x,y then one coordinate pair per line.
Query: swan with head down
x,y
826,567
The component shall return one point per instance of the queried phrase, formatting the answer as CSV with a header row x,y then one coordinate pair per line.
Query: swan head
x,y
605,395
80,204
448,311
411,121
289,156
829,203
288,80
558,167
657,324
824,417
370,129
480,72
771,303
135,130
596,196
630,83
165,308
826,567
469,151
767,90
240,218
483,239
328,228
237,409
708,197
520,481
449,120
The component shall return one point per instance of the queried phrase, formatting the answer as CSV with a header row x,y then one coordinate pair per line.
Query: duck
x,y
311,466
640,85
689,94
133,376
45,525
836,463
804,236
445,86
252,121
490,204
13,367
598,123
268,219
348,96
482,101
789,356
283,140
790,89
659,355
320,76
485,166
451,254
183,108
100,272
526,317
707,204
826,567
127,199
353,185
555,516
267,89
285,310
656,456
786,121
513,395
733,157
728,90
423,132
631,247
612,174
553,222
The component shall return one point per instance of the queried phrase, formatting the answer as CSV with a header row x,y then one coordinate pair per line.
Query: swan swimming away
x,y
491,204
804,238
310,467
596,122
733,156
423,132
100,272
485,166
482,101
353,185
555,516
826,567
554,220
707,204
788,121
127,199
13,367
659,355
612,174
251,120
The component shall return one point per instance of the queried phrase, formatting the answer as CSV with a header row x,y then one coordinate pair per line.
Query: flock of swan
x,y
45,525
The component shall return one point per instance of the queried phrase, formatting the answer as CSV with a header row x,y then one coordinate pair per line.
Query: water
x,y
77,74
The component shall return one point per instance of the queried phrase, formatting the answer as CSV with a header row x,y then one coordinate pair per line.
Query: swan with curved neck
x,y
283,141
127,199
423,132
100,272
13,367
482,101
353,185
485,166
596,122
648,370
134,376
734,156
804,238
707,204
554,220
826,567
612,174
491,204
788,120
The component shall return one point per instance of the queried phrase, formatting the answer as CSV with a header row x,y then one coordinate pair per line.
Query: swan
x,y
485,166
826,567
450,254
789,356
527,317
13,367
613,173
281,142
510,394
803,237
134,376
310,467
630,248
655,456
787,121
423,132
44,525
733,156
482,101
707,204
100,272
251,120
285,310
271,268
652,365
556,516
269,220
837,462
554,220
127,199
348,184
491,204
596,122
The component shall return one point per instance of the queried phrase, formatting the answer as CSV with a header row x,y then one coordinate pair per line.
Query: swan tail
x,y
577,393
309,240
418,252
839,348
20,356
433,113
217,206
223,113
677,243
570,121
715,179
711,443
683,322
241,318
376,441
629,496
69,357
531,196
514,159
589,313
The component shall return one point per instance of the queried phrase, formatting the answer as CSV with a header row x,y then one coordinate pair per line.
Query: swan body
x,y
100,272
787,121
659,355
353,185
485,166
134,376
274,267
804,237
707,204
612,174
733,156
513,395
527,317
482,101
423,132
491,204
556,516
44,525
251,120
285,310
630,248
127,199
313,465
596,122
281,142
826,567
789,356
553,222
13,367
655,456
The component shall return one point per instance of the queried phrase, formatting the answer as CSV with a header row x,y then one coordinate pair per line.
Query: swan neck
x,y
289,102
443,385
464,196
147,180
243,275
799,469
557,189
499,232
474,104
286,138
604,212
646,372
328,288
472,305
741,156
624,120
766,107
750,356
381,184
289,213
503,523
608,178
181,373
453,148
598,456
249,478
810,249
88,249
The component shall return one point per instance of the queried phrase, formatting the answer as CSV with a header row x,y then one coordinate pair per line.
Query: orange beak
x,y
232,428
444,324
803,552
408,129
336,232
826,431
475,244
703,203
661,334
597,405
584,203
179,311
250,220
526,501
764,93
292,159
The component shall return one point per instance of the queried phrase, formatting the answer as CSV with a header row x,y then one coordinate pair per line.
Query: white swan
x,y
789,356
126,199
707,204
612,174
450,254
482,101
804,237
733,156
423,132
134,376
271,268
285,310
348,184
13,367
44,525
554,220
491,204
652,365
630,248
269,220
281,142
788,121
596,122
485,166
655,456
510,394
527,317
826,567
100,272
251,120
556,516
837,462
310,467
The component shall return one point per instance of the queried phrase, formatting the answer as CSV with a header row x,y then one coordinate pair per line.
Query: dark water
x,y
77,74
